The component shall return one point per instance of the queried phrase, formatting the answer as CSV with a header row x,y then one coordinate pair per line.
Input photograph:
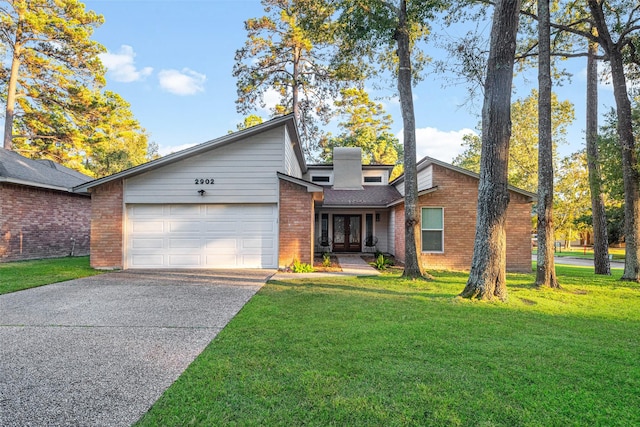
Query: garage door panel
x,y
142,243
257,243
184,261
257,226
227,227
141,226
184,210
147,261
184,244
147,210
228,244
202,236
223,260
184,226
256,260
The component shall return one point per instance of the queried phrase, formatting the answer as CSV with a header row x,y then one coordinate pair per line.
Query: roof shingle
x,y
13,166
370,195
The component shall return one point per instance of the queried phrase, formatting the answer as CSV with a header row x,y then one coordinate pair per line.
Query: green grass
x,y
16,276
389,352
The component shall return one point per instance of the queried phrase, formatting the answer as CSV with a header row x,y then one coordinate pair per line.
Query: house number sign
x,y
200,181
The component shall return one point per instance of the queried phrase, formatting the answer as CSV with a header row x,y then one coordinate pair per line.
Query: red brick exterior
x,y
457,194
296,224
40,223
107,221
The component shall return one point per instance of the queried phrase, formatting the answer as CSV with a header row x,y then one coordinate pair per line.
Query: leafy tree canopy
x,y
52,84
523,150
288,51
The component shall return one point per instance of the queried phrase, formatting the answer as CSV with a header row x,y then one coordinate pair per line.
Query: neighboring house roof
x,y
18,169
370,196
288,121
427,161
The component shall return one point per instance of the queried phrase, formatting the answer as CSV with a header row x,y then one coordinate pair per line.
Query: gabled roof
x,y
18,169
310,186
288,121
428,161
378,196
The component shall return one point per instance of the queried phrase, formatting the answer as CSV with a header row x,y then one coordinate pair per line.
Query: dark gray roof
x,y
39,173
370,196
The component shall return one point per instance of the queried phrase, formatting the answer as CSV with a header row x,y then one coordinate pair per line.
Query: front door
x,y
346,233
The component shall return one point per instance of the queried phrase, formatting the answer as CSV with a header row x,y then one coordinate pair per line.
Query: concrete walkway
x,y
560,260
100,351
352,265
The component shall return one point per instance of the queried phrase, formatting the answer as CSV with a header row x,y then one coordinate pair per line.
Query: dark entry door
x,y
347,233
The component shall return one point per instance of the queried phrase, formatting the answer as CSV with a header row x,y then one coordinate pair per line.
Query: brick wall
x,y
106,226
296,224
457,194
40,223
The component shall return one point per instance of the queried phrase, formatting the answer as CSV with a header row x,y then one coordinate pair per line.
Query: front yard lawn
x,y
384,351
16,276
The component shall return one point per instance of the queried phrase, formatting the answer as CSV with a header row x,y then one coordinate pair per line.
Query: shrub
x,y
381,263
301,267
326,259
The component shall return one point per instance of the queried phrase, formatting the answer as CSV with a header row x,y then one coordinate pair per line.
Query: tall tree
x,y
385,33
51,56
487,278
598,214
365,125
523,148
116,141
545,268
287,52
616,23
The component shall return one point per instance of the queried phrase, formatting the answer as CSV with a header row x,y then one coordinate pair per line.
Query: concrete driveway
x,y
99,351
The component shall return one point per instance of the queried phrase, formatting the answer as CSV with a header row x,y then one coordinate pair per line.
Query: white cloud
x,y
440,145
184,82
121,65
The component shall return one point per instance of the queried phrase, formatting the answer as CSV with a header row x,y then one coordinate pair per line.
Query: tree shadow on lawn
x,y
383,289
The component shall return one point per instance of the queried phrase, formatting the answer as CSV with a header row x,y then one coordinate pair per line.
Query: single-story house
x,y
40,215
249,200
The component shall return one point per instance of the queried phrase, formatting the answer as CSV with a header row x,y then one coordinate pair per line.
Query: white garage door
x,y
201,236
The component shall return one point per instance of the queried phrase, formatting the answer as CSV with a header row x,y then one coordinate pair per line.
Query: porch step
x,y
354,265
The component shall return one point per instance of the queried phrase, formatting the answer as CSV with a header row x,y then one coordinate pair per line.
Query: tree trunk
x,y
630,174
487,278
601,262
412,267
12,89
546,269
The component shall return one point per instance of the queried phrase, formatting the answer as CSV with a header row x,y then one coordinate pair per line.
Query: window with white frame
x,y
432,226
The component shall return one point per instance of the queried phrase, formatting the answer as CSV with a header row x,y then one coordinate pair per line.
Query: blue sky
x,y
172,60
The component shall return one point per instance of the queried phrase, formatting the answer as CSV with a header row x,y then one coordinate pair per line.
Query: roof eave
x,y
311,187
35,184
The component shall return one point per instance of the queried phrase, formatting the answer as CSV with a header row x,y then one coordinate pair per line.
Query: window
x,y
324,230
368,226
372,179
320,179
432,230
